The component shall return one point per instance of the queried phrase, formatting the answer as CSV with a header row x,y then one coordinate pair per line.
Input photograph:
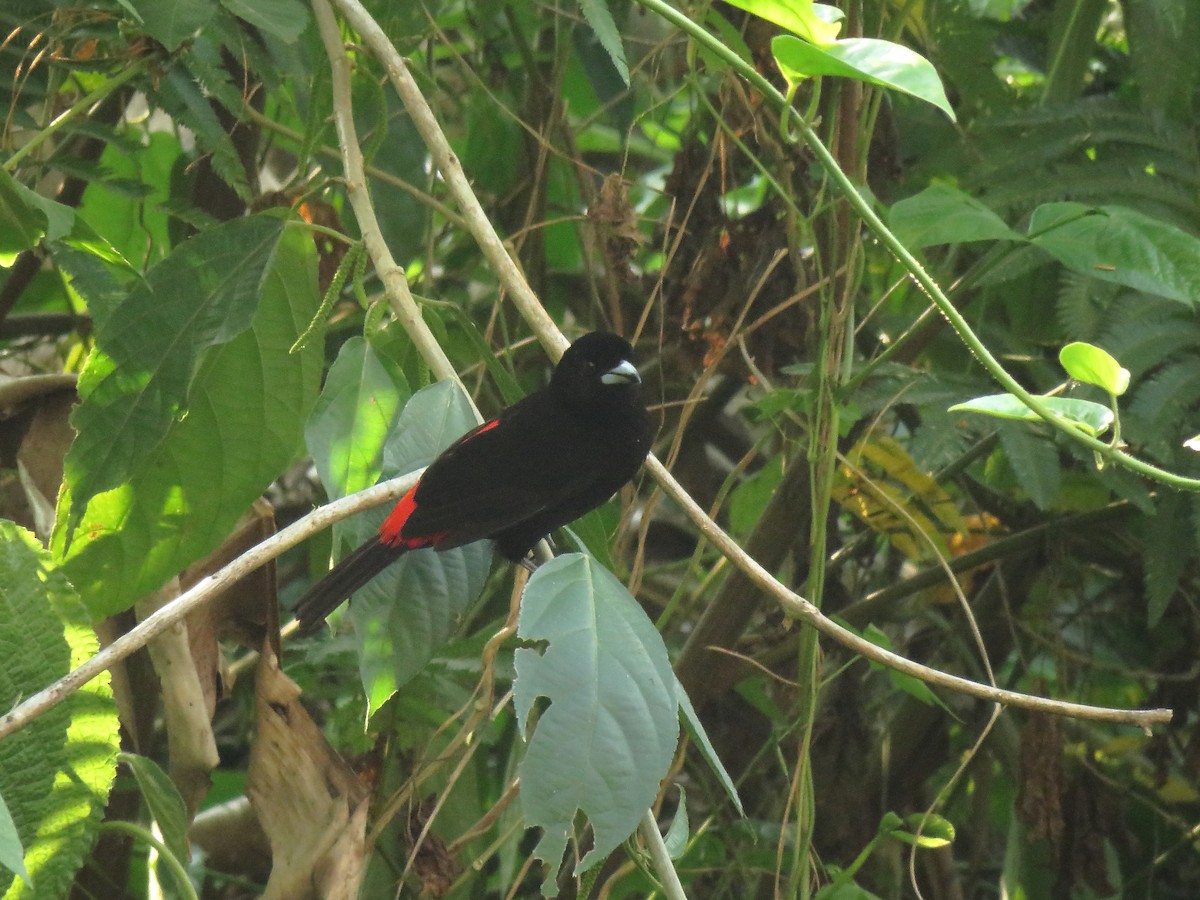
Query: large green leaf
x,y
248,401
1117,244
874,61
1093,418
412,608
942,214
804,18
609,734
56,772
136,384
285,19
354,415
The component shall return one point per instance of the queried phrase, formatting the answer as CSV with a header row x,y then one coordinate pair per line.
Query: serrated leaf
x,y
1092,365
1034,461
1093,418
801,17
286,19
22,223
1166,550
247,404
136,384
173,23
600,20
165,804
12,854
871,60
695,730
409,611
181,97
1117,244
942,214
56,772
609,734
353,417
677,835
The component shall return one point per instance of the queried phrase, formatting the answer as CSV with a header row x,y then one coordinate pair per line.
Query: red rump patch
x,y
486,426
391,531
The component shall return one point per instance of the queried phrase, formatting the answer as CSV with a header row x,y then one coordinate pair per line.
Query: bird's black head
x,y
597,372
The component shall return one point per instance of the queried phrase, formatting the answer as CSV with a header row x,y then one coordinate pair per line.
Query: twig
x,y
448,166
394,281
199,594
663,867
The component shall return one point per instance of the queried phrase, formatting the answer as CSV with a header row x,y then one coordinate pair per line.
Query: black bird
x,y
541,463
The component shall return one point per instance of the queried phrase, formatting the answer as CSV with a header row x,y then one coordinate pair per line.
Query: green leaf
x,y
750,498
188,104
22,223
12,854
801,17
246,410
165,804
936,831
695,730
1091,365
56,772
1093,418
609,734
942,214
173,23
353,417
677,835
396,639
1166,550
135,386
874,61
286,19
599,17
1117,244
1034,461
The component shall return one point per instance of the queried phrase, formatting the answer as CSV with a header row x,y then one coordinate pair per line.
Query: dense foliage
x,y
189,323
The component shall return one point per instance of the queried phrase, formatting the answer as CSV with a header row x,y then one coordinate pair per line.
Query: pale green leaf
x,y
1092,365
609,734
409,611
695,730
874,61
677,835
353,417
942,214
1093,418
12,854
801,17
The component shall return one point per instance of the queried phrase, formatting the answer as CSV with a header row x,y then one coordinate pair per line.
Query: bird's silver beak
x,y
623,373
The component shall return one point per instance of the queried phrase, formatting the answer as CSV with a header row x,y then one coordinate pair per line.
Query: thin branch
x,y
199,594
448,166
394,280
663,867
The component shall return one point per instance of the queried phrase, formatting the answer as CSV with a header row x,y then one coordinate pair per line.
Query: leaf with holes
x,y
607,738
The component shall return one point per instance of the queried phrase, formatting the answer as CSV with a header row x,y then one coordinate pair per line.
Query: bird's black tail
x,y
351,573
